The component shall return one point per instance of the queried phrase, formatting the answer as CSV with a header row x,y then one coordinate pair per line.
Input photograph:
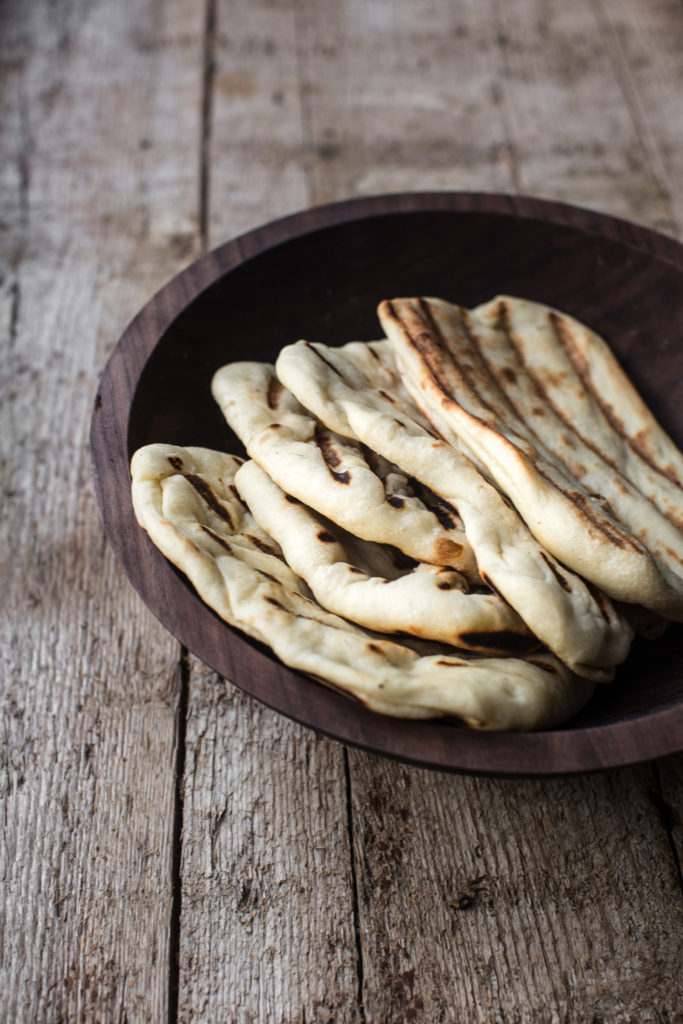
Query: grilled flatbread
x,y
591,517
340,386
334,475
185,498
363,582
573,375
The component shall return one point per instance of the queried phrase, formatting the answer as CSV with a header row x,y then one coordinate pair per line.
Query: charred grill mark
x,y
497,393
263,546
622,482
635,442
491,585
326,361
424,343
505,640
451,662
274,393
374,648
521,428
497,403
374,461
583,503
205,492
235,493
299,614
600,600
444,518
395,500
564,583
442,509
385,394
401,560
613,533
330,455
326,537
267,576
215,536
176,461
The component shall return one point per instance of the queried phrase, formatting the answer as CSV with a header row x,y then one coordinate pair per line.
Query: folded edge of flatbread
x,y
427,601
572,523
186,500
332,474
579,624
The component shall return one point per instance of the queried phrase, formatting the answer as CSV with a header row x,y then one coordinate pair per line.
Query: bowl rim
x,y
587,748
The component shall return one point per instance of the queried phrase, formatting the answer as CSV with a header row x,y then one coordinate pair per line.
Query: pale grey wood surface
x,y
169,849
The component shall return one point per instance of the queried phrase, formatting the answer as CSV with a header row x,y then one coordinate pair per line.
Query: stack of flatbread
x,y
468,518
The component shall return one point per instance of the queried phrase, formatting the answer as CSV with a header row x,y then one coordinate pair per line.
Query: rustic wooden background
x,y
169,849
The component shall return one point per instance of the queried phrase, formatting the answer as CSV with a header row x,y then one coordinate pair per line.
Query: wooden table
x,y
171,850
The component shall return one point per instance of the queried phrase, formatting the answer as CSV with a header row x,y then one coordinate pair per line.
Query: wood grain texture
x,y
100,215
572,126
575,102
401,96
257,158
526,901
131,133
267,902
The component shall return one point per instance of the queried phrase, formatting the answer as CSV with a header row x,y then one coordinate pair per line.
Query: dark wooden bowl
x,y
319,275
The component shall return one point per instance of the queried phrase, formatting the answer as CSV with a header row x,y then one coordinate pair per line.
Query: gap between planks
x,y
183,675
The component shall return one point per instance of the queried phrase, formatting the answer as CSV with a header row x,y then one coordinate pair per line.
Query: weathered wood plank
x,y
401,96
645,45
469,906
267,920
573,127
523,901
267,901
515,901
103,208
258,161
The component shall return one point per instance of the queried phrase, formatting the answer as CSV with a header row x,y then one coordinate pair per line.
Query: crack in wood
x,y
669,818
360,974
208,75
183,680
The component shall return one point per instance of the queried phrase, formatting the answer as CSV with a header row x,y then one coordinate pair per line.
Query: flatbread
x,y
580,625
624,545
186,500
347,577
577,380
334,475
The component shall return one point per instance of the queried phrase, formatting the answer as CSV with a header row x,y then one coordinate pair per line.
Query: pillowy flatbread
x,y
334,475
575,377
186,499
346,577
624,545
340,386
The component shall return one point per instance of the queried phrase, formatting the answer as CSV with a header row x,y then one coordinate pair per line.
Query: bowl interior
x,y
325,286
